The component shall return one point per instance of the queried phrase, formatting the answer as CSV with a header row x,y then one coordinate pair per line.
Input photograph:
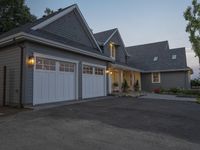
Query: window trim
x,y
152,77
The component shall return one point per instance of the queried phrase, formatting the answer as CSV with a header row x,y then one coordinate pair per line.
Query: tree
x,y
14,13
192,16
48,11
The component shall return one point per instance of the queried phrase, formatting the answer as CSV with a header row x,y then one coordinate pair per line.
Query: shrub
x,y
125,86
174,90
136,86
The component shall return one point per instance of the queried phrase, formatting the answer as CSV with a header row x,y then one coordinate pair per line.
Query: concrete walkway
x,y
167,97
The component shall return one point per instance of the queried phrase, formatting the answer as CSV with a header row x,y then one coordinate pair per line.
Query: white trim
x,y
159,79
93,65
58,59
30,37
52,19
109,37
125,67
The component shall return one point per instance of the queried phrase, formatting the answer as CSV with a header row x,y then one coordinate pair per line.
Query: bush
x,y
125,86
195,82
174,90
198,100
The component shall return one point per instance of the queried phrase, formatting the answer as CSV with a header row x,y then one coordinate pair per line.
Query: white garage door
x,y
94,81
54,81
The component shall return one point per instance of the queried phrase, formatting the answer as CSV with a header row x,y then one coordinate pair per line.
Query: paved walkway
x,y
167,97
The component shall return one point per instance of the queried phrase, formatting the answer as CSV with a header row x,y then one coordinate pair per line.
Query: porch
x,y
121,77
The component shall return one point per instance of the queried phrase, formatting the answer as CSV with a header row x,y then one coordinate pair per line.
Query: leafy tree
x,y
192,16
48,11
14,13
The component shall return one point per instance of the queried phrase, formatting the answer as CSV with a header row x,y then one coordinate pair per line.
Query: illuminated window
x,y
112,50
156,77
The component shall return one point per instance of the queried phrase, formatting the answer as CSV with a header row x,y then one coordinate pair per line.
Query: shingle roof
x,y
27,27
102,37
142,56
47,35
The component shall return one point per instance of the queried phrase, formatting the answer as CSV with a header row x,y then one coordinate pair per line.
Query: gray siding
x,y
70,27
168,80
37,48
120,51
10,57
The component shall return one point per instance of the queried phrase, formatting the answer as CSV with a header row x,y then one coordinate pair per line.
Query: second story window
x,y
112,50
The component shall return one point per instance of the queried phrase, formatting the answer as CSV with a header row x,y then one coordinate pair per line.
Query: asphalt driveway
x,y
118,124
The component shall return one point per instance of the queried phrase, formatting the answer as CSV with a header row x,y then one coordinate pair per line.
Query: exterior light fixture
x,y
31,60
107,71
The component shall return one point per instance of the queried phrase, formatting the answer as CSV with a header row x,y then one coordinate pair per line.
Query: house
x,y
57,58
162,67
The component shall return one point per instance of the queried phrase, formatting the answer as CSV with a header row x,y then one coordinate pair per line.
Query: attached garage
x,y
55,80
93,81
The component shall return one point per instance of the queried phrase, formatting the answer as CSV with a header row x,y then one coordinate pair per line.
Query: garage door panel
x,y
93,82
53,83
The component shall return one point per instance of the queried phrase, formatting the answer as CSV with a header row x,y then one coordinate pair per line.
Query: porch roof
x,y
124,67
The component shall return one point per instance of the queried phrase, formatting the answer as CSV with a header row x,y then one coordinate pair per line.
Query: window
x,y
67,67
112,50
173,56
87,69
155,58
99,71
45,64
156,77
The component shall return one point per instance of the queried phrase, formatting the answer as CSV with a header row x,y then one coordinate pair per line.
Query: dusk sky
x,y
139,21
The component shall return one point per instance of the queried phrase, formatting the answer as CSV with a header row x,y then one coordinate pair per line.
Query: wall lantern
x,y
108,72
31,60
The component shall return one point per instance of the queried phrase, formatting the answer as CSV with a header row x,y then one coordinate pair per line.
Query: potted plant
x,y
125,86
115,87
136,86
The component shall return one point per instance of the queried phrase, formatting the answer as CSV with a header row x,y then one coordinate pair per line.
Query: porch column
x,y
121,77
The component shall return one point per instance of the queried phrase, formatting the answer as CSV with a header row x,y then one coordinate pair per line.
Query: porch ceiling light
x,y
31,60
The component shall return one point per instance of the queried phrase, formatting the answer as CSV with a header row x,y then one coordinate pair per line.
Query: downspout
x,y
21,72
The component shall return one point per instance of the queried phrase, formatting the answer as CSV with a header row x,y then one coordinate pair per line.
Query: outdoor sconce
x,y
107,71
31,60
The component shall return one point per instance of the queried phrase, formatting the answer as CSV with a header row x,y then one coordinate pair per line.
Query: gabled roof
x,y
142,56
103,37
34,29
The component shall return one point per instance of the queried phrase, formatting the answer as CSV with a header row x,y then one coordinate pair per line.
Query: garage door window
x,y
99,71
45,64
87,69
67,67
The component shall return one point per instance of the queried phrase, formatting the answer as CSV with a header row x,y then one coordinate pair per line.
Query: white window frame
x,y
152,77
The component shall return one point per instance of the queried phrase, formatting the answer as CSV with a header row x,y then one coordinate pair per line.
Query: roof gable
x,y
71,22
